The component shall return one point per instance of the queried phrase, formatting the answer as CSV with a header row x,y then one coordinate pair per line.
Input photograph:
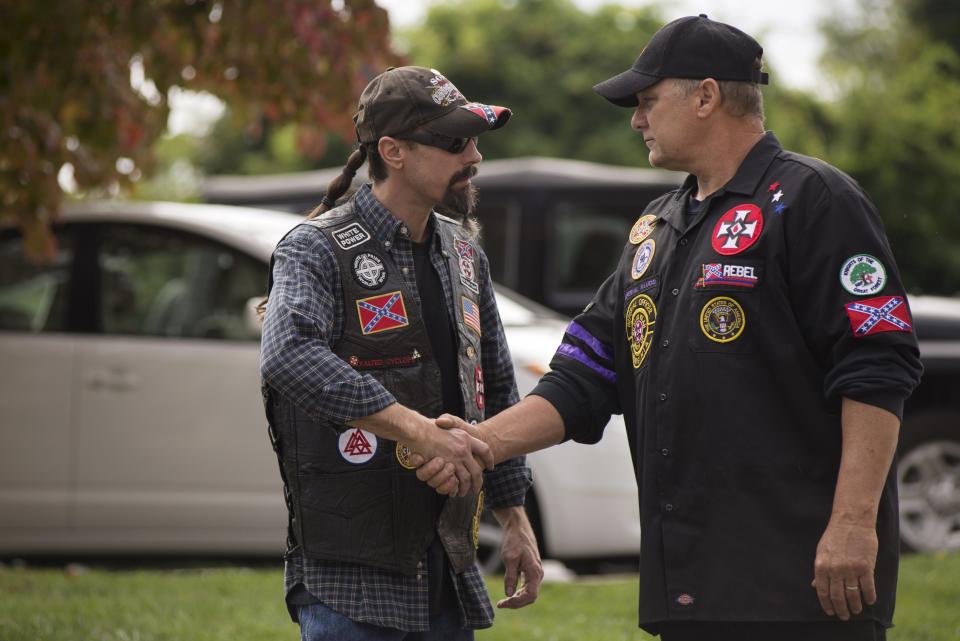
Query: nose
x,y
639,120
472,153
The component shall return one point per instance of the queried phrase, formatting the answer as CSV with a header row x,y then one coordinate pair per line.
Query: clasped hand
x,y
453,459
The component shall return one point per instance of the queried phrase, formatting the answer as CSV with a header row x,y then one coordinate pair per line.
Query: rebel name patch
x,y
643,258
350,236
357,445
863,275
722,319
727,274
368,270
640,319
737,229
642,228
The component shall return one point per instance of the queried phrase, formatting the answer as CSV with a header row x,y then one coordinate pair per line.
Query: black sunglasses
x,y
446,143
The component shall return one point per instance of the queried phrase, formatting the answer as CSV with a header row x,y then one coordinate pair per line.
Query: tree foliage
x,y
540,58
66,97
897,131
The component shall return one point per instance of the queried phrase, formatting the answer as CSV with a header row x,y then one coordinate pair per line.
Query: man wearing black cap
x,y
757,338
380,316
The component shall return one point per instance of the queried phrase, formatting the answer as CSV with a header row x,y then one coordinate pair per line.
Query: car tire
x,y
928,482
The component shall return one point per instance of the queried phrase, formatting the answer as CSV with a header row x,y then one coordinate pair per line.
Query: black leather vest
x,y
349,496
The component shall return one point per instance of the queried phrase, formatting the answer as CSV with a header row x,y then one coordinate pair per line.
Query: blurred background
x,y
130,416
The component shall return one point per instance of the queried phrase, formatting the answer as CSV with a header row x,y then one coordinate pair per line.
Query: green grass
x,y
231,604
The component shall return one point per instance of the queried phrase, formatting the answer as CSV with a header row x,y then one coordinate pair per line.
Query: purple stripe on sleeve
x,y
578,354
601,350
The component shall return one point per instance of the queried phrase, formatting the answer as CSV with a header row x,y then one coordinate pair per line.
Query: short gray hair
x,y
739,98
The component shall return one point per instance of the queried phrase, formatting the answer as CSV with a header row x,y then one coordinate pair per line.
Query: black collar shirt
x,y
728,342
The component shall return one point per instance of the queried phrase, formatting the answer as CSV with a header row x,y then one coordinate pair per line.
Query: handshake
x,y
450,455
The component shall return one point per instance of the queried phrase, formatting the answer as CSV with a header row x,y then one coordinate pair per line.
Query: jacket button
x,y
665,452
404,230
666,343
663,397
683,241
668,507
387,244
405,270
471,352
675,292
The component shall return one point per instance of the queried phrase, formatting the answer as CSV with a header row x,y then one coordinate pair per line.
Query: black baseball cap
x,y
691,47
402,99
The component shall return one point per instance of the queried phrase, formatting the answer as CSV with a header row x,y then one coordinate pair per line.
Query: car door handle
x,y
116,380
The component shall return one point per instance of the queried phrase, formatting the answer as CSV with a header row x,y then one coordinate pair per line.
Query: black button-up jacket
x,y
728,345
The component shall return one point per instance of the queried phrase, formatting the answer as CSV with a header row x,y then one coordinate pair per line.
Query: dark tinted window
x,y
34,293
163,282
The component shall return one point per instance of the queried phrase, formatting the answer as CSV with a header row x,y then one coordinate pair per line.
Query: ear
x,y
391,151
708,97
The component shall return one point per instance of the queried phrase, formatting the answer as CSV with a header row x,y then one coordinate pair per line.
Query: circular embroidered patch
x,y
722,319
643,258
403,456
358,446
863,275
737,229
368,270
642,228
640,317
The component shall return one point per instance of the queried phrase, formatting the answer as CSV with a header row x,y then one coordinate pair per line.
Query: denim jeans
x,y
320,623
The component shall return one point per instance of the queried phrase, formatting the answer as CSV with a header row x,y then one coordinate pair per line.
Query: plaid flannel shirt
x,y
305,316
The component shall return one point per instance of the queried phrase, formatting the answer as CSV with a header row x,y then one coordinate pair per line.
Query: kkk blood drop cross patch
x,y
640,318
737,229
357,445
382,313
722,319
881,314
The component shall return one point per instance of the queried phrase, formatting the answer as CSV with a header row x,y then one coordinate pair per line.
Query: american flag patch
x,y
471,314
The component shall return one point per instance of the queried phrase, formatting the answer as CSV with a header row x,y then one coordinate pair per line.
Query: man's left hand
x,y
843,570
523,570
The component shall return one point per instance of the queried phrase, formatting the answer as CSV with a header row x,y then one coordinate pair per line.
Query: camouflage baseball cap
x,y
404,98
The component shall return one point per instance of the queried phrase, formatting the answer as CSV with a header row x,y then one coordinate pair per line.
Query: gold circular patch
x,y
640,317
642,228
403,456
476,520
722,319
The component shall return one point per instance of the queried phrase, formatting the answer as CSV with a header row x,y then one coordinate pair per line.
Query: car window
x,y
34,292
164,282
586,246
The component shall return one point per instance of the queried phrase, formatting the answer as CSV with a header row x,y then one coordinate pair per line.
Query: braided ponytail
x,y
339,185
